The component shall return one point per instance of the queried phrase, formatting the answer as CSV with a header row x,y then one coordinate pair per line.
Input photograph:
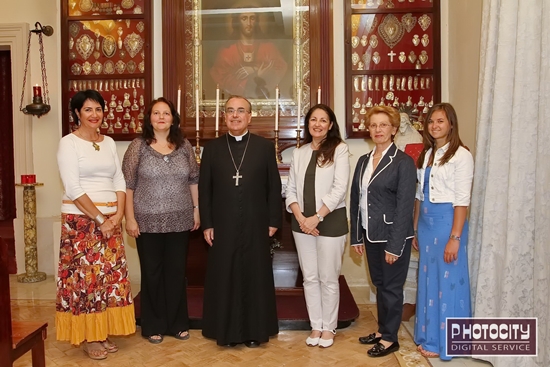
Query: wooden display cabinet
x,y
393,57
107,47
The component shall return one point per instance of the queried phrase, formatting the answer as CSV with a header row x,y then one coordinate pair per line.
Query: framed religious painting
x,y
393,58
267,51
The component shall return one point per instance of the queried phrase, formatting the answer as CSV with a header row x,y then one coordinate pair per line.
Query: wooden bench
x,y
17,337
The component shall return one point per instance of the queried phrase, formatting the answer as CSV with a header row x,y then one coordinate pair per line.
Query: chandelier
x,y
37,107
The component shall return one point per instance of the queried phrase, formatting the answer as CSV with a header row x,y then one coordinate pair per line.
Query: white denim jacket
x,y
450,182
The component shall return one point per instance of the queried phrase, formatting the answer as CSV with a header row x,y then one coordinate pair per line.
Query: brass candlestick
x,y
31,274
298,137
277,153
198,149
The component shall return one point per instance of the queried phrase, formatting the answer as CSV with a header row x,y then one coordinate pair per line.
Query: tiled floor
x,y
284,350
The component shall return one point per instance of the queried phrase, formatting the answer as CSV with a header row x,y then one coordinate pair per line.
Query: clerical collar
x,y
240,137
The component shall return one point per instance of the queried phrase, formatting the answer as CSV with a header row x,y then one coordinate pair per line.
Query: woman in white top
x,y
94,298
445,172
315,194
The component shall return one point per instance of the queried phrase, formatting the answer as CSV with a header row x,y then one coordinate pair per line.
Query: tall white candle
x,y
217,106
277,108
299,108
197,107
319,95
179,100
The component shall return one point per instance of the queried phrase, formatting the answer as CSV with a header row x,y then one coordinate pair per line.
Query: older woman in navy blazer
x,y
382,203
316,196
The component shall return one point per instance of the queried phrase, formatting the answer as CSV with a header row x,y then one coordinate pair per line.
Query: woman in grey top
x,y
161,208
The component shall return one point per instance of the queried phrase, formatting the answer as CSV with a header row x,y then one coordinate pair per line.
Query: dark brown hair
x,y
329,144
429,142
175,136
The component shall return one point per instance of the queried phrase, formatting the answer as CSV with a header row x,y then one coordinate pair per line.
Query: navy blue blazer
x,y
390,206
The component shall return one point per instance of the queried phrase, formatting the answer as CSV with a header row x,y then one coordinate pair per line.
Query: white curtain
x,y
510,212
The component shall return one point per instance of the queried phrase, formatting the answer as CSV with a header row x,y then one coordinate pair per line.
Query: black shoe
x,y
369,339
252,343
230,345
380,351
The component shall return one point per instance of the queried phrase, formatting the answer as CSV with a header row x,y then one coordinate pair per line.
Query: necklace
x,y
94,141
237,176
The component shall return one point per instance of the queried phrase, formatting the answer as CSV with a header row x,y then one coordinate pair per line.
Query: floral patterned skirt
x,y
94,297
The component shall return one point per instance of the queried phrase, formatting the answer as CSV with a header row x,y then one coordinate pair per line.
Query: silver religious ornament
x,y
402,57
139,129
355,58
118,124
431,103
104,124
418,65
97,67
112,104
364,40
376,57
428,83
392,80
410,83
424,21
76,69
408,22
133,123
111,130
87,68
376,83
362,126
423,57
111,115
135,106
391,30
364,83
422,84
131,66
396,102
84,46
369,102
356,84
373,42
360,66
126,102
357,104
385,83
369,83
133,44
363,110
127,115
120,66
390,96
416,40
74,29
355,117
71,43
141,66
382,103
412,57
119,107
108,46
425,40
354,41
403,82
409,101
415,83
366,57
421,102
140,27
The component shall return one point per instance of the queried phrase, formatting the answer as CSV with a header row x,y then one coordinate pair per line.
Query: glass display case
x,y
107,48
392,58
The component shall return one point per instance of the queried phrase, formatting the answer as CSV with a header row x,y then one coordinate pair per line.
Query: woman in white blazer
x,y
315,195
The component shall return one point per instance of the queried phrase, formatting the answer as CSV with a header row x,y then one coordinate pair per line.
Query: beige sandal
x,y
95,350
109,346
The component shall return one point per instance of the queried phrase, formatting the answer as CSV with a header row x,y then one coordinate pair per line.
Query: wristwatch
x,y
320,217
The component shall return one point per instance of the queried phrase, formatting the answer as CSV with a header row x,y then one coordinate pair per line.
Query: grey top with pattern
x,y
162,197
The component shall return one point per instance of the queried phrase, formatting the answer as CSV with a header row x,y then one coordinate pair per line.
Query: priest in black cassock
x,y
240,208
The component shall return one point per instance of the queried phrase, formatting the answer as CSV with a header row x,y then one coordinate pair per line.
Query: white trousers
x,y
321,261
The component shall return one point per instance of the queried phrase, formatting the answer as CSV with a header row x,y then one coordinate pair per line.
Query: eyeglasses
x,y
240,111
382,126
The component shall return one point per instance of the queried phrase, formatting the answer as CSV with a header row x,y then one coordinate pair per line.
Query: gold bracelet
x,y
453,237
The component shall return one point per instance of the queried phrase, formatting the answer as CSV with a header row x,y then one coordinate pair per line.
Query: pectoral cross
x,y
236,177
391,55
